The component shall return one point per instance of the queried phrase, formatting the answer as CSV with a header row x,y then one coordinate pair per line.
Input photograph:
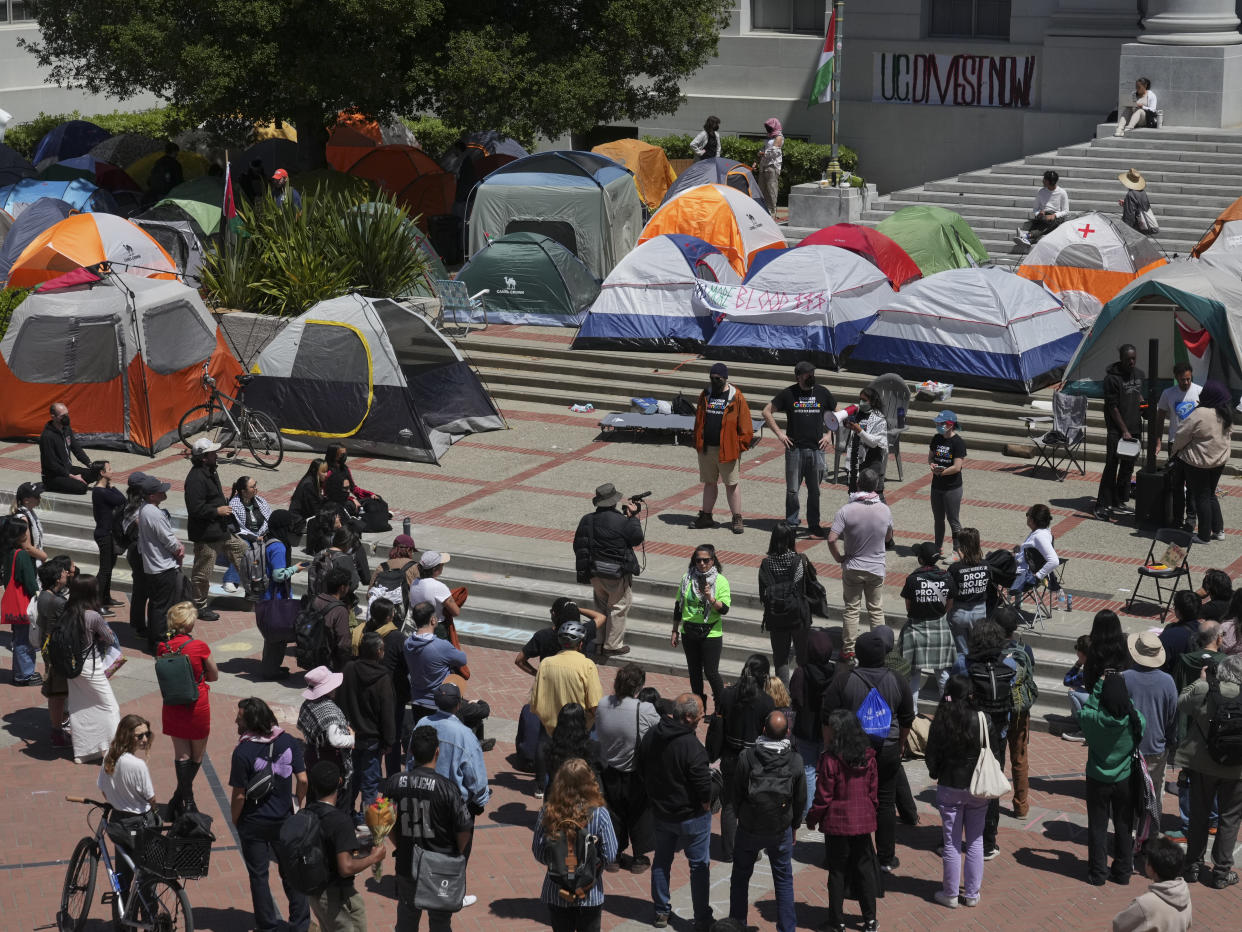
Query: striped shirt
x,y
600,824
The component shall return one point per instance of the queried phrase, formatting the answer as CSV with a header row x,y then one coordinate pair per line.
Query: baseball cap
x,y
946,415
280,175
927,553
204,445
432,558
30,490
150,485
135,479
447,697
719,369
804,367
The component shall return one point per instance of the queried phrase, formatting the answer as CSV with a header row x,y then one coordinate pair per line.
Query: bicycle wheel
x,y
200,418
263,438
161,905
79,889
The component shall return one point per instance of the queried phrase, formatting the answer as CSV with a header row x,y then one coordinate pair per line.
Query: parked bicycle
x,y
234,426
155,899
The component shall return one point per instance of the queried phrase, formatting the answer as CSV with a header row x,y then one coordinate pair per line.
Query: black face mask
x,y
809,383
64,420
864,409
718,385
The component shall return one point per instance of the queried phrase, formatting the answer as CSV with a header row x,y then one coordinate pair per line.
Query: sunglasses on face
x,y
140,735
702,559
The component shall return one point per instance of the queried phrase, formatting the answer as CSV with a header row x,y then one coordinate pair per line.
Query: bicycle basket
x,y
171,855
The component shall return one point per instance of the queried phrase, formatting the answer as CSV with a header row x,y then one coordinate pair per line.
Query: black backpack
x,y
1224,734
769,794
66,647
1004,567
391,584
784,603
374,515
301,854
574,862
993,682
122,537
310,629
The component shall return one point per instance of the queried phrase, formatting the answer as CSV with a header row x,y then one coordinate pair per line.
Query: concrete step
x,y
1138,153
973,202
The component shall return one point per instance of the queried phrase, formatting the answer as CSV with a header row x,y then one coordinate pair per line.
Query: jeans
x,y
1077,699
703,660
1103,800
843,854
781,641
573,918
855,586
694,835
23,653
889,764
779,848
366,779
231,575
803,466
963,817
1227,795
809,751
107,560
1114,488
1202,486
946,503
256,850
961,620
918,674
408,917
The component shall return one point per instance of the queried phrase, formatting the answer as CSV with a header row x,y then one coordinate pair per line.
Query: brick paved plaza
x,y
517,496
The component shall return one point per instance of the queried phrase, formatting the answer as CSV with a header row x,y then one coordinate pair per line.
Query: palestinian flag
x,y
1192,344
821,90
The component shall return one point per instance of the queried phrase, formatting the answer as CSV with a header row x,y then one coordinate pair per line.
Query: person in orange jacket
x,y
722,432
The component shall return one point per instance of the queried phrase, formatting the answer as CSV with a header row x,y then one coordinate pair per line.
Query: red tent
x,y
877,248
410,175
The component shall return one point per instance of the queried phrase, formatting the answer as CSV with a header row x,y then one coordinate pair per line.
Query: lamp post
x,y
834,164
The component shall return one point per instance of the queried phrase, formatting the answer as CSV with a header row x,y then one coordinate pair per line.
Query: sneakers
x,y
949,902
1102,514
207,614
230,587
34,679
1123,510
487,744
538,794
661,920
970,901
468,900
639,863
617,652
737,525
990,854
1222,879
871,925
1176,835
1218,535
1076,736
1022,236
890,865
703,521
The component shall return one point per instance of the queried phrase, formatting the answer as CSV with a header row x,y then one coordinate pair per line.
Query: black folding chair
x,y
1160,570
1062,438
1039,594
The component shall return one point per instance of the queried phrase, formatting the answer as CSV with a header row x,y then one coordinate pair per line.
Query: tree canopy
x,y
552,66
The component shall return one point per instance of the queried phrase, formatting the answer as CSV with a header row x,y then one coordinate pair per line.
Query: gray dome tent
x,y
373,374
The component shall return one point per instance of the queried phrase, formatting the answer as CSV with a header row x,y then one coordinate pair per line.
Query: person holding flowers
x,y
340,907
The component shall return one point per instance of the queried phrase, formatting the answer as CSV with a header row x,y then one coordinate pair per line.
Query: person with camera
x,y
58,448
604,558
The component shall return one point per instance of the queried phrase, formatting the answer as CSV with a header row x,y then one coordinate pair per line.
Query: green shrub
x,y
9,299
433,134
802,161
159,123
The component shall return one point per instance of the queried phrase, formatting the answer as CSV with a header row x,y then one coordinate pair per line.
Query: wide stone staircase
x,y
1192,175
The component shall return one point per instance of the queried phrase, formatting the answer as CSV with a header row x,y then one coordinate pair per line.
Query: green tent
x,y
1173,304
201,199
936,239
532,279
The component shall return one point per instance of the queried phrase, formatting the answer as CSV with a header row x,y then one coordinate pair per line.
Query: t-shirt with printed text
x,y
805,409
927,589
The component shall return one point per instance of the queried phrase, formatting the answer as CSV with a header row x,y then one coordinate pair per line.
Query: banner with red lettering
x,y
963,80
777,307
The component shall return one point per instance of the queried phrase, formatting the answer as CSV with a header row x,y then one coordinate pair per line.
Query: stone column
x,y
1190,22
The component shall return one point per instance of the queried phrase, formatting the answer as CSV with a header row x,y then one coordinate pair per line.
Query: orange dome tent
x,y
84,240
733,222
412,176
652,172
346,146
128,361
361,124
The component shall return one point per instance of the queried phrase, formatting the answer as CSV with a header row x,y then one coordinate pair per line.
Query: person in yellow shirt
x,y
569,676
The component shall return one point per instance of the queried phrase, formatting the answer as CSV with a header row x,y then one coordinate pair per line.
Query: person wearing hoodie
x,y
1123,416
1176,635
744,708
723,431
1165,907
848,691
330,603
769,795
428,660
1113,729
1202,650
846,797
368,703
678,781
1210,779
806,690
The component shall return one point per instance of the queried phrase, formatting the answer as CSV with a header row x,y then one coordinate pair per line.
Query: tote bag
x,y
439,880
989,780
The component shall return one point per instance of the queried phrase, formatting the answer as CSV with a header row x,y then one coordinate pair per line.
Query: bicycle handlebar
x,y
84,800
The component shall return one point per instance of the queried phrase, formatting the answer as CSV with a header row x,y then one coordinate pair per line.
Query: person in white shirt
x,y
1039,540
428,588
706,145
125,781
1176,402
1144,110
1050,208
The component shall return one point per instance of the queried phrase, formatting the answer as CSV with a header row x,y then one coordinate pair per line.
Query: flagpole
x,y
834,164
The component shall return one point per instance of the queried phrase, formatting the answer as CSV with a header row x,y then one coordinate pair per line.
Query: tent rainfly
x,y
533,279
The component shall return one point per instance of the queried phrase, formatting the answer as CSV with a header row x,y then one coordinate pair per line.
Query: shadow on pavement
x,y
1050,861
31,727
513,814
216,919
529,907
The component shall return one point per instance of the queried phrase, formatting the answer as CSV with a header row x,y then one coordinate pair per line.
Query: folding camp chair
x,y
1042,593
1173,563
459,308
1065,441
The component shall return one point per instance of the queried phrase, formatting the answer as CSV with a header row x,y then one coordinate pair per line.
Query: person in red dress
x,y
188,725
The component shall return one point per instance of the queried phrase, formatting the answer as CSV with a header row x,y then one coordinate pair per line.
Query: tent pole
x,y
834,164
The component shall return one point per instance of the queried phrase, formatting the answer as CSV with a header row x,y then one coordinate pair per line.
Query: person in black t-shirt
x,y
431,815
970,583
546,643
340,907
946,456
925,639
804,404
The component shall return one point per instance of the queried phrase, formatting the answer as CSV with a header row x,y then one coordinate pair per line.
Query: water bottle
x,y
1069,601
405,527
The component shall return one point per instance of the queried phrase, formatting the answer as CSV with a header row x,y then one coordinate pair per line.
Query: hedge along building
x,y
965,83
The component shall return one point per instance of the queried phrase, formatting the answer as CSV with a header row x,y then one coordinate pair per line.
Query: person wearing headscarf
x,y
768,167
1202,444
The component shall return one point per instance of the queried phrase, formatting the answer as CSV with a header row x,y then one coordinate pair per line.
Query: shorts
x,y
711,470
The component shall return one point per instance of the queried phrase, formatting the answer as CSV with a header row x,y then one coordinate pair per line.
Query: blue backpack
x,y
875,715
